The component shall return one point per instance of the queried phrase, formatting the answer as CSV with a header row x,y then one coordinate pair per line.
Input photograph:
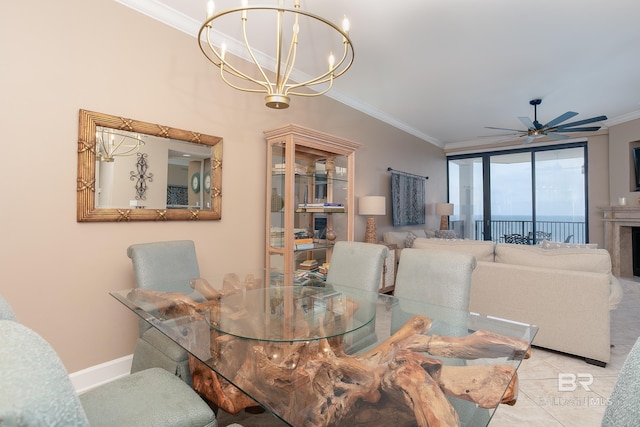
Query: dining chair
x,y
518,239
436,277
162,266
358,265
623,409
442,279
36,391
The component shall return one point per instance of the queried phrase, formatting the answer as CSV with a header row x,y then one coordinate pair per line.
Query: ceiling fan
x,y
554,128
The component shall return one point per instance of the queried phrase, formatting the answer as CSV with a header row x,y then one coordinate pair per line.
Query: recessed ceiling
x,y
442,70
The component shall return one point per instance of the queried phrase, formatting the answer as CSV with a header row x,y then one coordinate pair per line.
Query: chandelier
x,y
110,143
277,50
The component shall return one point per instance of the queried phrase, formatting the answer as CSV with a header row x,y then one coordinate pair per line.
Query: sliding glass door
x,y
521,196
466,176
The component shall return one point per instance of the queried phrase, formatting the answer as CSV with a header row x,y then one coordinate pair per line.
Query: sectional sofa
x,y
567,292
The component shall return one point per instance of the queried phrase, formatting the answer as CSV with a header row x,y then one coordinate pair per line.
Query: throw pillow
x,y
546,244
408,242
446,234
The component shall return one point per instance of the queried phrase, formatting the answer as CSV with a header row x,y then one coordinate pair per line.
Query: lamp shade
x,y
372,205
444,209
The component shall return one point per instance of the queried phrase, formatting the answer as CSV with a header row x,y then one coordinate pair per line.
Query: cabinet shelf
x,y
320,210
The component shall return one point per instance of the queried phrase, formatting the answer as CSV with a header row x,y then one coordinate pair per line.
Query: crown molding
x,y
623,118
175,19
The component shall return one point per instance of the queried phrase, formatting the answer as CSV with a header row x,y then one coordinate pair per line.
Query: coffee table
x,y
335,355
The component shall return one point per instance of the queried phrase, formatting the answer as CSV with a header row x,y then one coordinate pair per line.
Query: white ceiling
x,y
442,70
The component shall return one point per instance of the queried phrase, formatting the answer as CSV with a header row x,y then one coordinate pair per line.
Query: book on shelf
x,y
303,241
310,264
326,209
279,168
321,205
305,246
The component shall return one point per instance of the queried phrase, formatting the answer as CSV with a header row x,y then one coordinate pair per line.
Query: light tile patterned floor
x,y
539,401
541,404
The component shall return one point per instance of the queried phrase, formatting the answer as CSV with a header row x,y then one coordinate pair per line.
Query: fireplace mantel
x,y
618,222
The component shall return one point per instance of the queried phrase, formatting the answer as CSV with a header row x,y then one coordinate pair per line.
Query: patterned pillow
x,y
446,234
408,241
546,244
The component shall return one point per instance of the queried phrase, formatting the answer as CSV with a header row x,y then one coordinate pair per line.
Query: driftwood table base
x,y
314,383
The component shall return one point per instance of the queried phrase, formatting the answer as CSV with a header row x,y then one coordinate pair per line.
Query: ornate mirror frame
x,y
87,211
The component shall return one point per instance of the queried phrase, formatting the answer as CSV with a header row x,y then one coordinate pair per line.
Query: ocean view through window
x,y
528,194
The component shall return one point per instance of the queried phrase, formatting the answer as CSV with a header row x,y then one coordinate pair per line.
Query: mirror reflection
x,y
130,170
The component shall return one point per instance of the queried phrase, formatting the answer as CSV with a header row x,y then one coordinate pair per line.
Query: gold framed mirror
x,y
130,170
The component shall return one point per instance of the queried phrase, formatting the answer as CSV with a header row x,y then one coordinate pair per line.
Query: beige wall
x,y
59,57
622,175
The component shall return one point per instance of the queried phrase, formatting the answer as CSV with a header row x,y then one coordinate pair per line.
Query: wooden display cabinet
x,y
310,195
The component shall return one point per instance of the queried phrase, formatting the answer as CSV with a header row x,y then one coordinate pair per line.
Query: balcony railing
x,y
558,231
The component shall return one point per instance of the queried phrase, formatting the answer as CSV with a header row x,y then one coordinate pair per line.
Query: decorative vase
x,y
276,201
330,235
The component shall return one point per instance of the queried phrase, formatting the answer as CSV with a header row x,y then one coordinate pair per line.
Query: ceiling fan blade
x,y
561,118
529,139
582,122
512,130
585,129
527,122
555,135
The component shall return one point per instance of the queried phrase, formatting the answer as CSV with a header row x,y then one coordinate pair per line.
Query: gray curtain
x,y
407,199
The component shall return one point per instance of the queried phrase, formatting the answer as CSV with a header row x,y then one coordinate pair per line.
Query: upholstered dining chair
x,y
357,265
435,277
35,390
162,266
443,279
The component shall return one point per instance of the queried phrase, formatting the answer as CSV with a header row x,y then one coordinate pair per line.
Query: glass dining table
x,y
329,355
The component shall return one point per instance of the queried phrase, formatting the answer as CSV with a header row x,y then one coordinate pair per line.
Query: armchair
x,y
623,409
6,312
162,266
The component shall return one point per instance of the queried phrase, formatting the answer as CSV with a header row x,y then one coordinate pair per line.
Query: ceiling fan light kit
x,y
553,129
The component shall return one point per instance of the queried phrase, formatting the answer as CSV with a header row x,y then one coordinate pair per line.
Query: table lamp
x,y
371,206
444,210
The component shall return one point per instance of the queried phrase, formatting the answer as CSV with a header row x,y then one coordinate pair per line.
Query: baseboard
x,y
103,373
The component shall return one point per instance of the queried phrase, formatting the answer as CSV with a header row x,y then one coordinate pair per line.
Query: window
x,y
524,195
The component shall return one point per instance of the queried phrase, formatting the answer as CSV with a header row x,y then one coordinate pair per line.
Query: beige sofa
x,y
567,292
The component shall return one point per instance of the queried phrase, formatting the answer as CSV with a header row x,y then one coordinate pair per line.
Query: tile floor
x,y
541,404
539,401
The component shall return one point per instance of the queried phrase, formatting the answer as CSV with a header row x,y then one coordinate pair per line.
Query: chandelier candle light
x,y
272,58
371,206
110,143
444,210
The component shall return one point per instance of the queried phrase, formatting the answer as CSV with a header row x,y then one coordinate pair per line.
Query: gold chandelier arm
x,y
266,84
345,53
224,79
326,77
108,151
230,69
310,94
291,56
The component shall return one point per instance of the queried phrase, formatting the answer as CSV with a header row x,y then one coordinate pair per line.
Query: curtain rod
x,y
407,173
